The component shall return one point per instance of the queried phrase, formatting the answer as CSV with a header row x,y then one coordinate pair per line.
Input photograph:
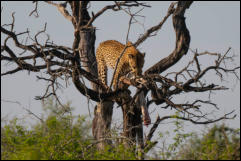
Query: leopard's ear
x,y
143,54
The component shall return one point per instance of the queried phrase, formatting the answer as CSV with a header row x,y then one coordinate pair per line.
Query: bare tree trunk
x,y
84,46
102,123
128,122
87,52
132,124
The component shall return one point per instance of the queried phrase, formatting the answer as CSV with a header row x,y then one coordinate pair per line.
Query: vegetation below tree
x,y
63,136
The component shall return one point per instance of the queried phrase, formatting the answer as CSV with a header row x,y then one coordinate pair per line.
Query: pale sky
x,y
213,26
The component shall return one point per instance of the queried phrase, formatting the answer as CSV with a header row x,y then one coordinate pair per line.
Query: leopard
x,y
130,61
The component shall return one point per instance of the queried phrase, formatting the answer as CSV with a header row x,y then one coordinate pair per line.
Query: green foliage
x,y
59,136
219,143
179,137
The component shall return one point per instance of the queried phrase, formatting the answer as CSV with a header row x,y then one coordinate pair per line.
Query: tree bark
x,y
182,40
132,117
132,125
84,47
84,43
101,123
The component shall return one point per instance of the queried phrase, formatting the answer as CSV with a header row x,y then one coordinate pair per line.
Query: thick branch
x,y
182,40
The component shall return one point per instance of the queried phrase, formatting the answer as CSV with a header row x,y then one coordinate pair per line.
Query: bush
x,y
60,136
219,143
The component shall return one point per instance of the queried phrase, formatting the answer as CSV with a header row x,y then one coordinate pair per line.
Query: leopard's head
x,y
135,59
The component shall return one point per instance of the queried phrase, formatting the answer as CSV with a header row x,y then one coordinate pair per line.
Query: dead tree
x,y
78,62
